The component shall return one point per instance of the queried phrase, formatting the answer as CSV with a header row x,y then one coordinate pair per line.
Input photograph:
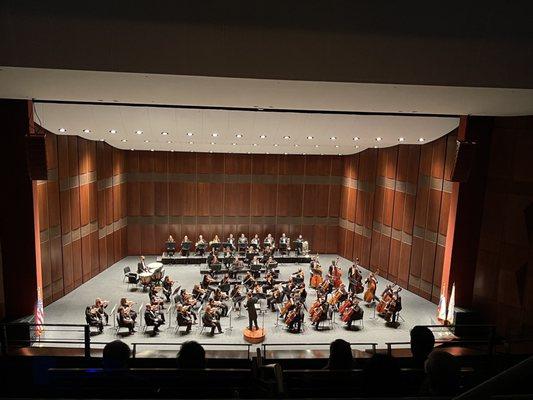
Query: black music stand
x,y
254,245
256,269
185,249
216,246
217,267
171,248
225,245
200,249
242,247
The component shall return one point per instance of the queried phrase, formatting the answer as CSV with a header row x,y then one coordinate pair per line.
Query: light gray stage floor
x,y
108,285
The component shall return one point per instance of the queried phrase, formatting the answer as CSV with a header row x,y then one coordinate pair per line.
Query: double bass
x,y
337,274
371,287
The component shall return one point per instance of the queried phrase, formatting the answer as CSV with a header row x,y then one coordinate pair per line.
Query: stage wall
x,y
394,212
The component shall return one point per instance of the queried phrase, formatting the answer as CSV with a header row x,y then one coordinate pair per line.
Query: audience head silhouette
x,y
442,370
340,355
191,355
422,343
116,355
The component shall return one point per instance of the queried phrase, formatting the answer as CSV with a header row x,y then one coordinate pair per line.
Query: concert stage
x,y
109,285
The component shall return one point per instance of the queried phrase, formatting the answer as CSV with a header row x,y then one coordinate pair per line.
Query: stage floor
x,y
108,285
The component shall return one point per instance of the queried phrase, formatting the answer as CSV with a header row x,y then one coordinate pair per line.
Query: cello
x,y
371,287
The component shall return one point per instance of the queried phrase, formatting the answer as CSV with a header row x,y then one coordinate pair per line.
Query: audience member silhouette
x,y
442,374
116,355
340,355
191,355
381,376
422,343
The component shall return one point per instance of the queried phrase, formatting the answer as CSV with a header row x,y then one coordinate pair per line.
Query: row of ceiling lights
x,y
238,135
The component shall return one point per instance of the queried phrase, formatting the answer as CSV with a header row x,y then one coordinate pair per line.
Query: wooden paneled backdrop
x,y
82,210
200,193
394,212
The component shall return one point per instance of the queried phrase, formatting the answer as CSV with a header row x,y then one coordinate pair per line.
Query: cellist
x,y
371,287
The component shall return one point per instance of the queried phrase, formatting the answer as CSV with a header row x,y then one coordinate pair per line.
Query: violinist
x,y
152,317
100,306
185,246
294,319
154,297
274,297
198,292
212,258
200,245
210,319
219,295
257,289
225,281
167,287
236,296
236,266
269,282
127,315
220,307
94,318
184,317
207,280
271,265
248,281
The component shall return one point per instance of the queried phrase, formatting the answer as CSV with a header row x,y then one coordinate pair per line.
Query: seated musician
x,y
141,266
153,295
127,315
242,243
250,253
269,282
294,318
220,307
284,244
298,276
274,297
248,280
170,239
327,285
255,242
212,258
231,241
257,288
298,245
200,245
269,241
207,280
224,281
100,305
219,295
353,313
214,243
236,265
183,317
94,318
303,293
210,319
270,265
320,314
187,300
255,261
185,246
228,257
236,296
152,317
167,287
198,292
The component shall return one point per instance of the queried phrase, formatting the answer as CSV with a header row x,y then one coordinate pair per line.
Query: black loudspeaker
x,y
18,335
465,321
36,153
465,154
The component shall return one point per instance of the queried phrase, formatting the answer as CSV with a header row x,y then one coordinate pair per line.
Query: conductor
x,y
252,312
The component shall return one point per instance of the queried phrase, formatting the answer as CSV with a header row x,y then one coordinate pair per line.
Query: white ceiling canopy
x,y
236,131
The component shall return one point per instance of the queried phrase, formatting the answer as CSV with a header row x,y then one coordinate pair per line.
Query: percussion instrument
x,y
145,278
155,265
158,274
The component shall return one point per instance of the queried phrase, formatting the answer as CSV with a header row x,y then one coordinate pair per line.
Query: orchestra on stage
x,y
242,274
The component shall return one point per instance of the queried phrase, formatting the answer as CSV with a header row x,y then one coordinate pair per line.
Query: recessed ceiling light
x,y
234,144
212,143
421,139
296,145
375,147
238,135
164,133
191,142
214,134
356,138
309,137
146,141
262,136
286,137
169,141
151,149
255,144
210,151
139,132
378,139
62,130
337,145
112,131
132,149
285,153
101,140
249,152
339,154
190,133
172,150
276,145
124,140
401,139
333,138
316,145
356,147
86,131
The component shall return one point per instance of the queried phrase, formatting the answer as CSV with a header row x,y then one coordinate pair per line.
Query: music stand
x,y
242,247
216,246
283,248
255,269
215,267
185,248
228,244
200,249
254,245
171,248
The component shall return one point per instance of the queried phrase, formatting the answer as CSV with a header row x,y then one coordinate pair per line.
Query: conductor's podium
x,y
254,336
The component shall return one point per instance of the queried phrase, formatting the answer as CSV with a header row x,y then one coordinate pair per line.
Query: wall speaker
x,y
465,324
465,154
36,153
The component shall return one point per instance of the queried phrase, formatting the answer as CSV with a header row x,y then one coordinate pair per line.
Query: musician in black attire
x,y
295,325
167,287
183,318
93,318
187,244
152,318
141,266
252,312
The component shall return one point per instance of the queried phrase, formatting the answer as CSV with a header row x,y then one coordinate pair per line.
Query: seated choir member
x,y
284,242
187,244
141,266
255,242
200,245
152,318
243,243
101,305
269,241
183,317
94,318
127,315
167,287
231,241
298,243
